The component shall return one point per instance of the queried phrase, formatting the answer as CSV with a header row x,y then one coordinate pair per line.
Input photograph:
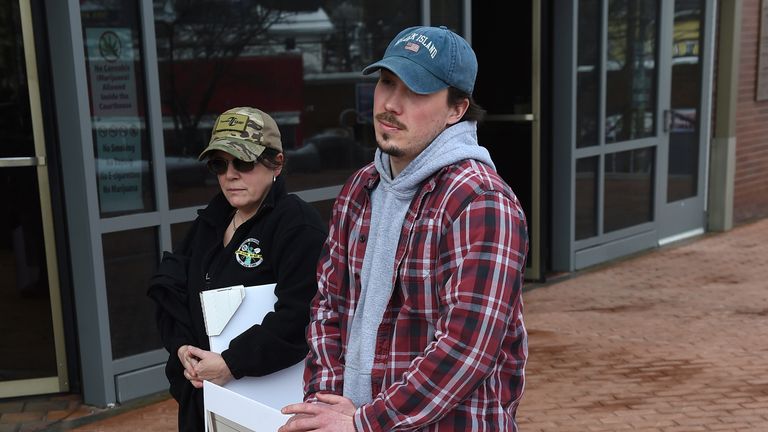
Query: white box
x,y
250,403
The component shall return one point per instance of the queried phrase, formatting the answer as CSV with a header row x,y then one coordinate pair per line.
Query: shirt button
x,y
362,238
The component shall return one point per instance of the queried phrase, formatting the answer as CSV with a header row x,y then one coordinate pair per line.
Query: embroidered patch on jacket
x,y
249,253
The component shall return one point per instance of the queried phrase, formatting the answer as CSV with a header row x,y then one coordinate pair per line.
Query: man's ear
x,y
457,112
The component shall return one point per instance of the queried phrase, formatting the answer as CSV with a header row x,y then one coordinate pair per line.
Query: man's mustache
x,y
389,118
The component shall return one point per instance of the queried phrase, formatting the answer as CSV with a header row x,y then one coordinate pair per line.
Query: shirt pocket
x,y
418,272
421,252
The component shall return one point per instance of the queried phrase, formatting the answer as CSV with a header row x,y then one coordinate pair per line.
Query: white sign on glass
x,y
115,117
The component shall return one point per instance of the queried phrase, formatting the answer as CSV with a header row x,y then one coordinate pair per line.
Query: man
x,y
417,323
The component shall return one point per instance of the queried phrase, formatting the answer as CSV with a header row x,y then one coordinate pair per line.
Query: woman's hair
x,y
474,112
268,158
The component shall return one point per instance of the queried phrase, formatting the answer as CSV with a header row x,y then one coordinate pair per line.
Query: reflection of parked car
x,y
328,151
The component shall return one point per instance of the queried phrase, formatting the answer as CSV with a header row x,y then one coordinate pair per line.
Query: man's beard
x,y
388,149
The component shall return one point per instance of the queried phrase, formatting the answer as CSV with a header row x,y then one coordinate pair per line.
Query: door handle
x,y
22,161
667,125
517,118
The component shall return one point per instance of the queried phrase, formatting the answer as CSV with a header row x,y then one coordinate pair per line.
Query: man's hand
x,y
332,413
189,361
210,366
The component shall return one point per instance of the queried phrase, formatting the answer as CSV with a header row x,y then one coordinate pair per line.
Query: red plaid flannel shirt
x,y
451,348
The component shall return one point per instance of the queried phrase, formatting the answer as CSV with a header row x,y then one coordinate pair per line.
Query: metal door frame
x,y
630,239
687,217
569,254
534,266
59,383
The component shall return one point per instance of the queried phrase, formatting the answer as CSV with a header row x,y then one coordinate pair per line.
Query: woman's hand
x,y
189,362
210,366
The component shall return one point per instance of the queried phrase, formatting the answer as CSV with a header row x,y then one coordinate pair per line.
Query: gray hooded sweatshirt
x,y
389,203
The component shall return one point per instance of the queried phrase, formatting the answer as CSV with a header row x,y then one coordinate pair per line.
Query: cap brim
x,y
232,147
419,79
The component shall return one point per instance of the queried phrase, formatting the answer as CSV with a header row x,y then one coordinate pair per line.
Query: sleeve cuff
x,y
228,357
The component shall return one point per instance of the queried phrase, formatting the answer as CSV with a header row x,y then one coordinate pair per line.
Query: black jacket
x,y
287,233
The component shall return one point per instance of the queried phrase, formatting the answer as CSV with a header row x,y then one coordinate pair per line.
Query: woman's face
x,y
246,190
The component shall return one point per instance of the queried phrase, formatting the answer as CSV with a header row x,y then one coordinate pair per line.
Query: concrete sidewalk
x,y
675,339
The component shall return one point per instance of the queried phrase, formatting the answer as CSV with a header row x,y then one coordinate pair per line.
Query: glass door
x,y
683,164
511,99
631,117
32,359
618,127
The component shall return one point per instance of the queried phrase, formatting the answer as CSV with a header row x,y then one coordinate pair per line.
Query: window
x,y
112,36
298,61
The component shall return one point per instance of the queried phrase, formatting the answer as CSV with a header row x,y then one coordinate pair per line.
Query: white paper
x,y
252,402
219,306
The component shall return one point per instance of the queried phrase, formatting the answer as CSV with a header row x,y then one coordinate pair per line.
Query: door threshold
x,y
681,236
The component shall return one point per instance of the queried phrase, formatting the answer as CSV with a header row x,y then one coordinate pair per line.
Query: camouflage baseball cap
x,y
244,133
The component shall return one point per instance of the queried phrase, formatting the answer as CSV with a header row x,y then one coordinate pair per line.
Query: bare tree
x,y
193,33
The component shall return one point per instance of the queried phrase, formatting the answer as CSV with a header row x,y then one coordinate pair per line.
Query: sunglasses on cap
x,y
219,166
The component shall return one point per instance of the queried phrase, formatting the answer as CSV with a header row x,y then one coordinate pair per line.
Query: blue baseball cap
x,y
429,59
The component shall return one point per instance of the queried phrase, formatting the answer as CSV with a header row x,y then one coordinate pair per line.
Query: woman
x,y
251,233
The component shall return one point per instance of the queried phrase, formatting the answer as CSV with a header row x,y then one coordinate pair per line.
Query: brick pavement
x,y
671,340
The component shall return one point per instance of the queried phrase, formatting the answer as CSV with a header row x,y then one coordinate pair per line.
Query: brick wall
x,y
751,182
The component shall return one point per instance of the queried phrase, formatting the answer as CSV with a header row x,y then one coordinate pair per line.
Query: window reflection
x,y
25,309
586,197
448,13
588,74
130,259
15,117
682,179
179,232
631,69
628,188
299,61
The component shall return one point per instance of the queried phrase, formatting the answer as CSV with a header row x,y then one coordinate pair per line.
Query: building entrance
x,y
511,130
631,98
31,349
